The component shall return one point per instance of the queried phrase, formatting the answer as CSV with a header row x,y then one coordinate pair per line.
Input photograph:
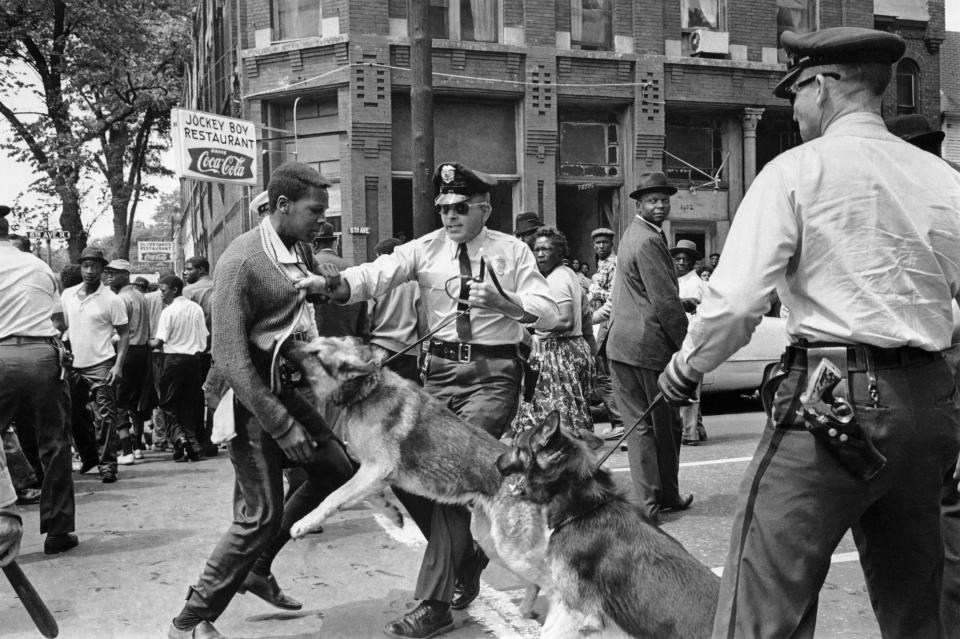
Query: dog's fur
x,y
611,573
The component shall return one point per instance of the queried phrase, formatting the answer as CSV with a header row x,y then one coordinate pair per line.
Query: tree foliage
x,y
107,73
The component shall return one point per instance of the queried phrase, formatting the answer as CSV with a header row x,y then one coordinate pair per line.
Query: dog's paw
x,y
304,527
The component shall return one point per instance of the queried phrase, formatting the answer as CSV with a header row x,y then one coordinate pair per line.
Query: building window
x,y
694,151
471,20
591,24
294,19
589,144
908,86
799,16
701,14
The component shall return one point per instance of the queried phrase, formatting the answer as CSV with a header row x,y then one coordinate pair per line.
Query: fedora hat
x,y
915,129
94,254
527,222
325,232
652,181
686,246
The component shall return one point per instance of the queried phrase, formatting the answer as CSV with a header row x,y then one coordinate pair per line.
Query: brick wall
x,y
649,28
539,23
366,17
258,16
753,24
950,66
513,13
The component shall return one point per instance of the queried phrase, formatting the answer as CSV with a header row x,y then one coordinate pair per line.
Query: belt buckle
x,y
463,353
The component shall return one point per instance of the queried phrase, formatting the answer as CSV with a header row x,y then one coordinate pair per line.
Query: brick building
x,y
564,101
950,96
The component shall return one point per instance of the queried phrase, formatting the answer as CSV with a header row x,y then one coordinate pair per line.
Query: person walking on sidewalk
x,y
199,288
93,313
133,392
182,336
32,384
599,294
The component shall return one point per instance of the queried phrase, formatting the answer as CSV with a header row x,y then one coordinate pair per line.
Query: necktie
x,y
664,237
463,322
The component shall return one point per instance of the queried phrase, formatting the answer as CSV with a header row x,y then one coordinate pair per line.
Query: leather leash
x,y
653,404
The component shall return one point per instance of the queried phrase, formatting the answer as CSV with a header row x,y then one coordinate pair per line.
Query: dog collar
x,y
571,518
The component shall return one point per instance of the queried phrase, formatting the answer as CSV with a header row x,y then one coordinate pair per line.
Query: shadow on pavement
x,y
113,541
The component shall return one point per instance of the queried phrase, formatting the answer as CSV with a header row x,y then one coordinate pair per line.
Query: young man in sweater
x,y
254,301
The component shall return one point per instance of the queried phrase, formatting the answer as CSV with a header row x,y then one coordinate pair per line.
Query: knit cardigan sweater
x,y
253,301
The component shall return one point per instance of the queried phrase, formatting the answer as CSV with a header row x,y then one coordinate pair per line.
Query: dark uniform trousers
x,y
30,386
796,503
484,392
260,515
654,447
950,527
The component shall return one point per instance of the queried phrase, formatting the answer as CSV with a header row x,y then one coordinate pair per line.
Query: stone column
x,y
750,118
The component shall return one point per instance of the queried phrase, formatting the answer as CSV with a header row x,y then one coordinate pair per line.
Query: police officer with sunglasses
x,y
473,363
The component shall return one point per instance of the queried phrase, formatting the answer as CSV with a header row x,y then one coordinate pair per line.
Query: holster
x,y
531,375
832,419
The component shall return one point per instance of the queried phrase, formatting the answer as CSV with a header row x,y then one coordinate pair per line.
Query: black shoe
x,y
28,497
425,621
267,589
193,454
56,544
683,504
87,466
108,476
179,454
468,585
211,450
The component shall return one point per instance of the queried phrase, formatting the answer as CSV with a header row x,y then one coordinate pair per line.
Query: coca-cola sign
x,y
213,147
221,164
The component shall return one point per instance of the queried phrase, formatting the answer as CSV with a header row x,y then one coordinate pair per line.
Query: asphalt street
x,y
143,540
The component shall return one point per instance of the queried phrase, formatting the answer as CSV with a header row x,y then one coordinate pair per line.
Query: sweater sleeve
x,y
232,320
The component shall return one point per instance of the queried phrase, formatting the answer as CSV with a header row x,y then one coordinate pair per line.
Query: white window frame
x,y
721,15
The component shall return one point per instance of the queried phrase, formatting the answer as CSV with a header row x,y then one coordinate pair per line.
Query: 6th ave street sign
x,y
48,235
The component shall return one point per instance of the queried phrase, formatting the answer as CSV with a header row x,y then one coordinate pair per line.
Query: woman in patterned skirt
x,y
562,355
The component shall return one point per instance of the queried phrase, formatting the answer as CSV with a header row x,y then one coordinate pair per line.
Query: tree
x,y
107,73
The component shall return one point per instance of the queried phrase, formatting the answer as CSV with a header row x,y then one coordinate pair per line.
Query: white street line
x,y
492,609
839,558
709,462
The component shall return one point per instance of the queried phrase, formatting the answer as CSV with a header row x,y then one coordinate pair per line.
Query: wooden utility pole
x,y
421,113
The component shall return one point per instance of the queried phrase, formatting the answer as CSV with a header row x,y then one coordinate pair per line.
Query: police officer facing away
x,y
859,232
473,364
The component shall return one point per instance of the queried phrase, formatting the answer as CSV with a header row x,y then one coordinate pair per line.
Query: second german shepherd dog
x,y
611,573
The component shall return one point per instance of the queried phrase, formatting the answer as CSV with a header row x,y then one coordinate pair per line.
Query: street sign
x,y
155,251
48,235
212,147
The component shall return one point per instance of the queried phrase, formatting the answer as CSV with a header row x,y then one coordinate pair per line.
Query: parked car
x,y
743,371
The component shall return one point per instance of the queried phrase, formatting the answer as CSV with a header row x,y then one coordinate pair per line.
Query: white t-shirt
x,y
182,328
91,322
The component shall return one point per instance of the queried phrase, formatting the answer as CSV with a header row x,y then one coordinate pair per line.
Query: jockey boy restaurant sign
x,y
213,147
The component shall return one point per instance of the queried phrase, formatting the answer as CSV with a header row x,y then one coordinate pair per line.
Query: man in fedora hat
x,y
526,227
647,327
134,389
473,364
599,296
93,313
877,325
685,255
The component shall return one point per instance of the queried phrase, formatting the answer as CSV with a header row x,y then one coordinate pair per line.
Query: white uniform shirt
x,y
857,230
90,323
432,261
182,328
28,294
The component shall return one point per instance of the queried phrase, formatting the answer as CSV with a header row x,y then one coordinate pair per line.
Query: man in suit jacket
x,y
647,326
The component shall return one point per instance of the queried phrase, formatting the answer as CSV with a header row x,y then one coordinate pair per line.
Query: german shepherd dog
x,y
610,572
403,437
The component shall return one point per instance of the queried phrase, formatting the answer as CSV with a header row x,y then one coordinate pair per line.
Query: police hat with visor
x,y
454,183
836,45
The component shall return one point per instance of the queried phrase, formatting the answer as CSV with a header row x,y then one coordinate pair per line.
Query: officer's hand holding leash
x,y
678,382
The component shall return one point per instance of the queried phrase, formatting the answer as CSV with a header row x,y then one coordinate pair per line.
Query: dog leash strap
x,y
626,433
426,337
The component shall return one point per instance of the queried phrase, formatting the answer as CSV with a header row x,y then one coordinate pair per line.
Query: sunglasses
x,y
460,208
796,86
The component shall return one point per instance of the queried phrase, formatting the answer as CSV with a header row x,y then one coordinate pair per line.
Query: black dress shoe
x,y
267,589
203,630
683,504
468,585
56,544
108,476
425,621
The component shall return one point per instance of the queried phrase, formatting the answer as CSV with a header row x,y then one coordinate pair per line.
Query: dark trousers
x,y
604,388
796,502
654,447
30,385
133,396
181,396
92,381
950,528
485,393
205,424
259,512
81,423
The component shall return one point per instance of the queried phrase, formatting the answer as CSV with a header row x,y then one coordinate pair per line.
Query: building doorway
x,y
581,208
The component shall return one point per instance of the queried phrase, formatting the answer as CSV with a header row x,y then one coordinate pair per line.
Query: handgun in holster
x,y
830,416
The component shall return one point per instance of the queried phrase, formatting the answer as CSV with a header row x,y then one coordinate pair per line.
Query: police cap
x,y
454,183
836,45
